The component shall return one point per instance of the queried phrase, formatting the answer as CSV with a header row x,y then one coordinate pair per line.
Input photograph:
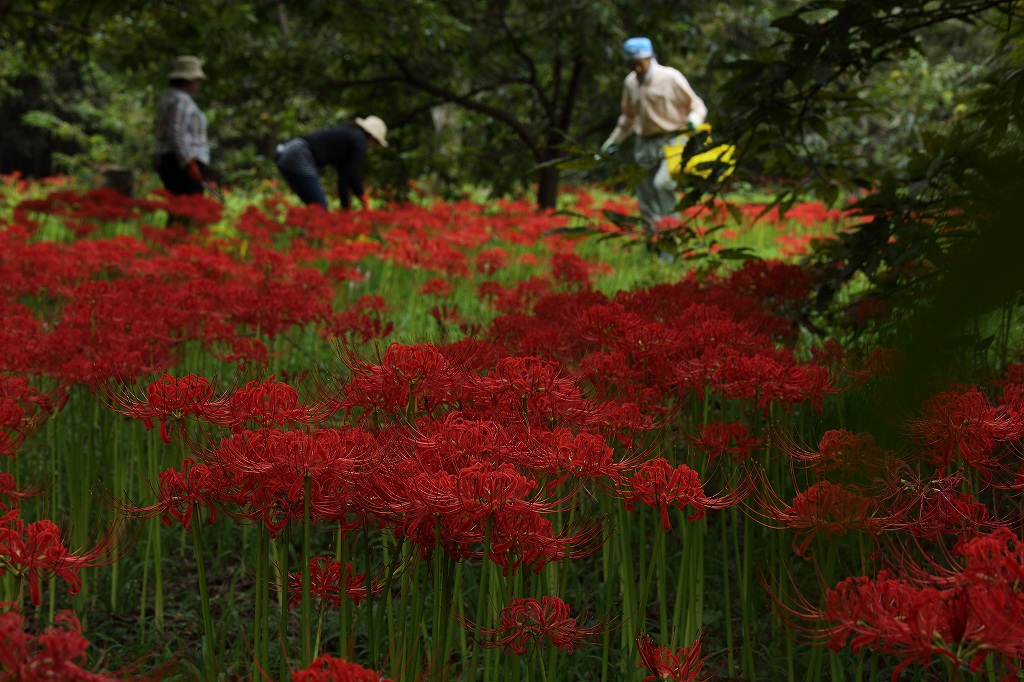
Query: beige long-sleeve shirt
x,y
663,102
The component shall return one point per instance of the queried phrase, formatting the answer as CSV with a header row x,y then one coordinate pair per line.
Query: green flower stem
x,y
696,563
393,559
118,468
261,635
436,665
410,671
727,596
744,568
258,614
307,599
371,620
204,595
481,598
341,554
157,539
281,545
145,576
662,592
681,602
627,584
454,588
658,546
401,647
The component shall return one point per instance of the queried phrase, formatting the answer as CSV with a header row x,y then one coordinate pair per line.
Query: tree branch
x,y
467,102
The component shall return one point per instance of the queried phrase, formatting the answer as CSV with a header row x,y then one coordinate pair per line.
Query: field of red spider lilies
x,y
444,441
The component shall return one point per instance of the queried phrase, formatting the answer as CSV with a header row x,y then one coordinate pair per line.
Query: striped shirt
x,y
181,128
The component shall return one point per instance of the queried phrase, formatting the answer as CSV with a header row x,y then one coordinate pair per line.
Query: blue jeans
x,y
306,186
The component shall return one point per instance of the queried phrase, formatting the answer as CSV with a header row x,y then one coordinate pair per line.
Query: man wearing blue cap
x,y
658,105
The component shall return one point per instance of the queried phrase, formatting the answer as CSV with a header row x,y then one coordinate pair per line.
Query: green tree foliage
x,y
484,92
939,244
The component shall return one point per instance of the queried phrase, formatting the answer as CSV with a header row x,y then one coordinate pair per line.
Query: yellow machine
x,y
701,164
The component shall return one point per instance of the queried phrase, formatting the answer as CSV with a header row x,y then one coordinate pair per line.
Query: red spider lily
x,y
257,226
36,551
329,579
456,507
880,362
457,442
11,494
530,541
770,282
405,372
195,486
579,456
962,425
167,398
995,557
718,439
685,665
970,611
536,390
848,453
422,503
929,507
491,260
517,299
271,467
657,484
824,509
23,409
268,403
102,203
194,208
447,316
914,623
526,621
436,287
330,669
243,351
571,270
57,653
365,319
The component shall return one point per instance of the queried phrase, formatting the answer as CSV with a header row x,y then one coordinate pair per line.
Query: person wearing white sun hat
x,y
660,107
343,147
183,150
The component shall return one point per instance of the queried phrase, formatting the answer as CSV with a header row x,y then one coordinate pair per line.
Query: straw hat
x,y
187,68
375,128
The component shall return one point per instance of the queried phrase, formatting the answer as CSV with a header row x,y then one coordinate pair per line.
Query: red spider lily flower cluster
x,y
36,551
719,439
828,510
56,653
22,410
684,665
850,455
963,615
332,581
531,621
331,669
365,321
962,426
476,448
659,485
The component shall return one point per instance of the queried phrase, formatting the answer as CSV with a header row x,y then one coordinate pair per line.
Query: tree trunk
x,y
547,187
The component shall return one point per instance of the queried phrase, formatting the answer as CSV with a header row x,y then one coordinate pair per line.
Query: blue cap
x,y
638,48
